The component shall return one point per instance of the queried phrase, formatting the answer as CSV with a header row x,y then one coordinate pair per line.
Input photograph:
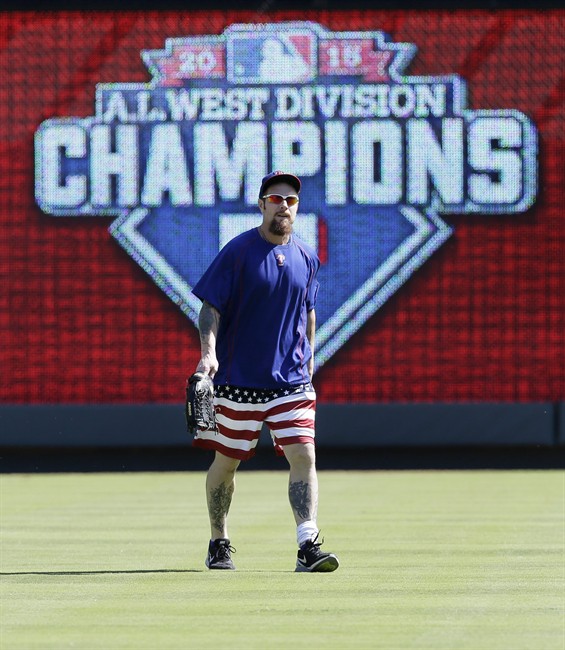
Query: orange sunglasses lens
x,y
291,199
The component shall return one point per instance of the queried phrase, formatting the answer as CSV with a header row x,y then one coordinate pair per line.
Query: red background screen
x,y
482,320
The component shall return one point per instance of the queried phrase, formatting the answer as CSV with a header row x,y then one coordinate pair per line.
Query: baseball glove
x,y
199,411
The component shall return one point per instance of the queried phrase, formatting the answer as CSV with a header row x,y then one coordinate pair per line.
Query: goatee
x,y
280,227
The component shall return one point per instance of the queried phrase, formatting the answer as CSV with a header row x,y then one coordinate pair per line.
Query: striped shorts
x,y
289,413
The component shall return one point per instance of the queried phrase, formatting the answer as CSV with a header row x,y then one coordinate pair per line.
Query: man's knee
x,y
301,454
225,464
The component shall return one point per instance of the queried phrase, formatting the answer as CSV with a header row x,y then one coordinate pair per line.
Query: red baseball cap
x,y
279,177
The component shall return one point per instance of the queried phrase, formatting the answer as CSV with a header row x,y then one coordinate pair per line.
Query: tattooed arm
x,y
311,334
208,324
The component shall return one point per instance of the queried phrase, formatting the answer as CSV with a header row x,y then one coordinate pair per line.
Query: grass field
x,y
438,560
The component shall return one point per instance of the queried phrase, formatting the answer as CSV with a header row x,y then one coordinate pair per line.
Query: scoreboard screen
x,y
430,147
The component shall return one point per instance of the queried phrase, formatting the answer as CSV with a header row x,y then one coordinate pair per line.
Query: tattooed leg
x,y
220,485
303,482
299,498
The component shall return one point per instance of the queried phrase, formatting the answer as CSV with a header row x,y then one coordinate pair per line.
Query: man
x,y
257,327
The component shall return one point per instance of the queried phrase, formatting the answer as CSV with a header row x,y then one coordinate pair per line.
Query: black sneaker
x,y
311,558
219,555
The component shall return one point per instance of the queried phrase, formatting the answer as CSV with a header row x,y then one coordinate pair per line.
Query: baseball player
x,y
257,330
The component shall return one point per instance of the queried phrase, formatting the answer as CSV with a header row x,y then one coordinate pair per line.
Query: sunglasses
x,y
277,199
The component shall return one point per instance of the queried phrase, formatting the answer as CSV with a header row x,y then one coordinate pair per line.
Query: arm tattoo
x,y
208,321
219,504
300,502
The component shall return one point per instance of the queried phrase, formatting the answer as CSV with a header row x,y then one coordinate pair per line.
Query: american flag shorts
x,y
289,413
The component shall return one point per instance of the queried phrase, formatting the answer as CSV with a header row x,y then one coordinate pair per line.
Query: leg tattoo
x,y
219,505
300,499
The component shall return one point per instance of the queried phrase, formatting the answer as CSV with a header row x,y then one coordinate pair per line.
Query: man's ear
x,y
261,204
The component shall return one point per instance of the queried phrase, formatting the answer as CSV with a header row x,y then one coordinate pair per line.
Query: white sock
x,y
306,531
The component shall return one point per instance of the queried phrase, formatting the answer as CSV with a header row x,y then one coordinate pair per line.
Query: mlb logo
x,y
269,55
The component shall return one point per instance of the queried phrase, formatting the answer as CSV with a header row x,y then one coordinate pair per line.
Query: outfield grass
x,y
438,560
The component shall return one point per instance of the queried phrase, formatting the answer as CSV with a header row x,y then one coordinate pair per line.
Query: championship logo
x,y
381,155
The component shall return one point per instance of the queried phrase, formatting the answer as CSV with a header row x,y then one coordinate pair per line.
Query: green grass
x,y
438,560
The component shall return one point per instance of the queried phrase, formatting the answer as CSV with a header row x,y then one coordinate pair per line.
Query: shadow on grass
x,y
132,572
94,573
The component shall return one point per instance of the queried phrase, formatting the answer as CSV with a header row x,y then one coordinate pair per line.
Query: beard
x,y
280,227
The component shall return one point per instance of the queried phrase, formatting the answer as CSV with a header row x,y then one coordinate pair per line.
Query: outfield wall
x,y
343,426
430,145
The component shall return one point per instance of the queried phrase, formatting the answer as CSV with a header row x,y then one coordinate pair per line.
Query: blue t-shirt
x,y
263,292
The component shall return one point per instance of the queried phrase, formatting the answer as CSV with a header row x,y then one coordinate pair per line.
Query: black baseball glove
x,y
199,411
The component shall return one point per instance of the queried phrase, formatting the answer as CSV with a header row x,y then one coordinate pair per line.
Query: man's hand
x,y
208,365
